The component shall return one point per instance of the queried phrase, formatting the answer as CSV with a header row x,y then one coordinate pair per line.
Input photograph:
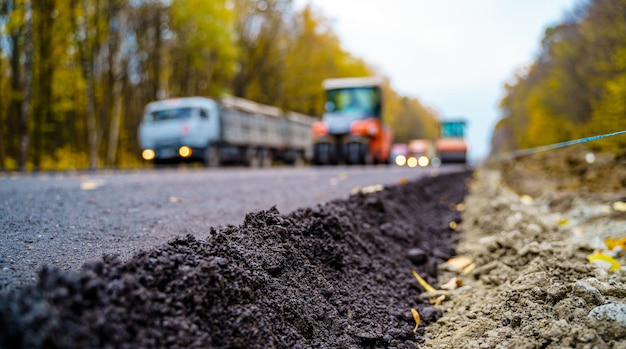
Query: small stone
x,y
609,320
587,292
416,255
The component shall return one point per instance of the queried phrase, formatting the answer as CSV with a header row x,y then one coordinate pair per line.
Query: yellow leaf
x,y
470,268
425,285
602,258
612,243
437,300
619,206
416,317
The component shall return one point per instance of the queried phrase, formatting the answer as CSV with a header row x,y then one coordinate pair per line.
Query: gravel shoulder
x,y
529,228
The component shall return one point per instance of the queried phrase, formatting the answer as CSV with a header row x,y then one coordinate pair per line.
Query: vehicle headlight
x,y
148,154
423,161
400,160
411,162
184,151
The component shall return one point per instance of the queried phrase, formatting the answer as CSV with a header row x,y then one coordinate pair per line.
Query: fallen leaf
x,y
372,189
453,284
425,285
526,199
437,300
604,260
91,184
613,243
470,268
175,200
416,317
458,263
619,206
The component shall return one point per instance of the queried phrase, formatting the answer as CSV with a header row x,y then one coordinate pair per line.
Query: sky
x,y
453,55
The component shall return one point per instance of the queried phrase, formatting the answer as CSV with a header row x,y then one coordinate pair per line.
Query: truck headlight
x,y
184,151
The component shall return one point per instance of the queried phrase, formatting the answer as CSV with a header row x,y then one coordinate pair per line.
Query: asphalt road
x,y
66,219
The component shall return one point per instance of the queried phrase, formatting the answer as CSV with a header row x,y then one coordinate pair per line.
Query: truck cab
x,y
178,129
352,129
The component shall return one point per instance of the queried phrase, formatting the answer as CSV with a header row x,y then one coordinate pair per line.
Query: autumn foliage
x,y
575,88
75,75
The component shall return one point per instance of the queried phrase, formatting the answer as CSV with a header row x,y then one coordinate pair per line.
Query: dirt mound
x,y
336,275
576,170
530,228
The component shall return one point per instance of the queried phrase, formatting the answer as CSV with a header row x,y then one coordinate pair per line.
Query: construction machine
x,y
352,130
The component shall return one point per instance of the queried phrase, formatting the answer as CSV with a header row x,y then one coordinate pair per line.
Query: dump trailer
x,y
228,130
451,146
352,130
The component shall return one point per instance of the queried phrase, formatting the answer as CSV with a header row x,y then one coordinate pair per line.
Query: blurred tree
x,y
26,103
203,54
12,28
93,65
573,89
408,117
44,14
314,54
261,42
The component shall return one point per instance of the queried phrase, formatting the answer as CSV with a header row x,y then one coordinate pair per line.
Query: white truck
x,y
228,130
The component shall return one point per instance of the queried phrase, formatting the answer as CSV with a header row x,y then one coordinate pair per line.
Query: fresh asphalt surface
x,y
63,220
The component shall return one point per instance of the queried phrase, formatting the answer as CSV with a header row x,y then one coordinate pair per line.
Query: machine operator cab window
x,y
452,129
362,101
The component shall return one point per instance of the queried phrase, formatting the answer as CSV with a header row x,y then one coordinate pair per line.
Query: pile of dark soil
x,y
334,276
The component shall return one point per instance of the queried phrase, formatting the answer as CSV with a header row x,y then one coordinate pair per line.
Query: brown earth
x,y
336,275
529,226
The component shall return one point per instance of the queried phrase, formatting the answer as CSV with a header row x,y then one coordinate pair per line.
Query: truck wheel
x,y
298,160
253,159
266,158
365,157
353,154
211,157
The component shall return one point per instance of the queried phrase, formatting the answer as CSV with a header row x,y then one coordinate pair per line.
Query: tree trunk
x,y
118,66
88,56
28,75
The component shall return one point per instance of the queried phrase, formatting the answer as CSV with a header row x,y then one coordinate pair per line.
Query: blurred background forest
x,y
76,75
575,88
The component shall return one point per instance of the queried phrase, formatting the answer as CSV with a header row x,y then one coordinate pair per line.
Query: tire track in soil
x,y
335,275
